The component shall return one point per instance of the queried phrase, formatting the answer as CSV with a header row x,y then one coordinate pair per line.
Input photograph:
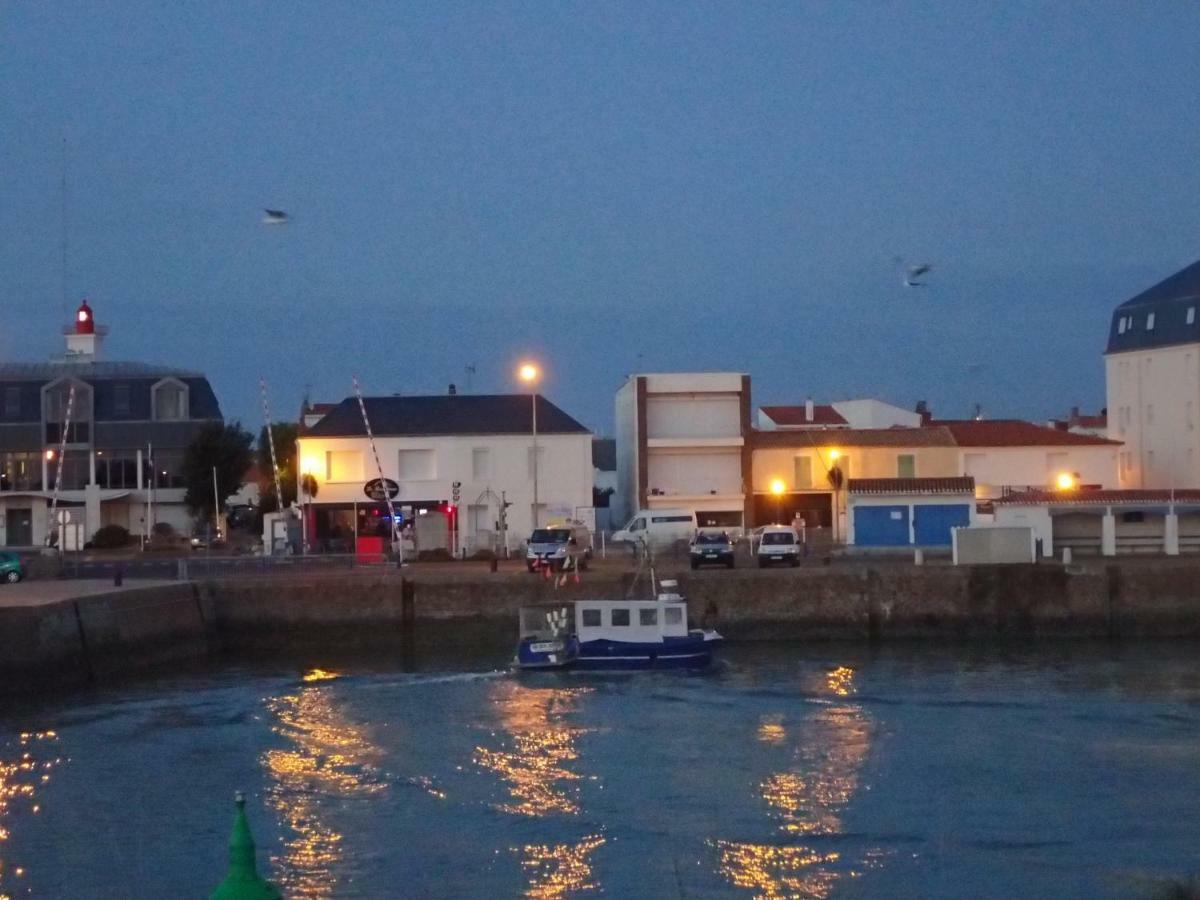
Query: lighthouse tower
x,y
84,336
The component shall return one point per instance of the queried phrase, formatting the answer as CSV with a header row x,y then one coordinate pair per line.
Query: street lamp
x,y
530,374
777,488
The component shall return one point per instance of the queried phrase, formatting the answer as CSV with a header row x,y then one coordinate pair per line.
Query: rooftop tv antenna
x,y
470,370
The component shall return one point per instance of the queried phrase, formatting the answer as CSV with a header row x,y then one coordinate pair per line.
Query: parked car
x,y
657,527
557,543
11,569
203,538
711,548
778,544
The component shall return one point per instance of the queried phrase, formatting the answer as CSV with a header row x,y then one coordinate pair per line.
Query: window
x,y
343,465
647,617
657,519
1191,315
20,471
478,519
637,525
804,472
673,615
1133,517
1149,321
121,399
57,400
170,402
12,402
620,618
481,463
168,468
76,472
1121,325
116,469
591,618
417,465
906,466
541,460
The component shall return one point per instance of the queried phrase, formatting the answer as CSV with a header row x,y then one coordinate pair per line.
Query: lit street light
x,y
778,488
531,375
1065,481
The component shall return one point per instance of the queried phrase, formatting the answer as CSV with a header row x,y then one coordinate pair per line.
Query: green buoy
x,y
243,881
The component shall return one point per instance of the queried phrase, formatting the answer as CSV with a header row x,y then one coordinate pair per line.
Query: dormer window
x,y
1121,325
1191,315
170,401
1149,321
58,405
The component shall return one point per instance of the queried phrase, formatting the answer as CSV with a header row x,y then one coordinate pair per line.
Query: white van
x,y
778,544
658,527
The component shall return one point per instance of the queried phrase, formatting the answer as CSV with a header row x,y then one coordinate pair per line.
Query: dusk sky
x,y
607,187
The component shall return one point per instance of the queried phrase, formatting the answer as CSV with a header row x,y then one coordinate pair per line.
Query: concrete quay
x,y
54,634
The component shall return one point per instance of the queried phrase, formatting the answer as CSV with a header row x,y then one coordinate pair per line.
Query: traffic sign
x,y
63,516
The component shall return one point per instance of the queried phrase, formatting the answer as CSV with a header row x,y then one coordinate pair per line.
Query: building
x,y
1107,522
116,431
1077,422
683,442
1152,376
863,413
908,512
455,460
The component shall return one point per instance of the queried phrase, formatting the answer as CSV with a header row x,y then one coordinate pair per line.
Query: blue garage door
x,y
881,526
932,523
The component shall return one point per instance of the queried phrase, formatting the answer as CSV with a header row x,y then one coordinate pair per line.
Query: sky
x,y
605,187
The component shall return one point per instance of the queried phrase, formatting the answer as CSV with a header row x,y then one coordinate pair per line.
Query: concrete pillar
x,y
91,504
1108,534
918,557
139,468
1066,556
1171,534
91,467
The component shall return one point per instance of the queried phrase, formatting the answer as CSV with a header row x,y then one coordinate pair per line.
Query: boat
x,y
610,635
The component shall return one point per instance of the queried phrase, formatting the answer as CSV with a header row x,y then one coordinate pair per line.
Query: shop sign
x,y
381,489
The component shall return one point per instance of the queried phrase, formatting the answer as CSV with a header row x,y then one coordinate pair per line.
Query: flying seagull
x,y
275,217
915,272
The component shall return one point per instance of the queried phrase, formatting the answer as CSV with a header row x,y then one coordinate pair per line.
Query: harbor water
x,y
791,771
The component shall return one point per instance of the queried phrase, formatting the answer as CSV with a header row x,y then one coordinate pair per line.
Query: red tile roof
x,y
1098,497
854,437
1013,433
963,485
794,416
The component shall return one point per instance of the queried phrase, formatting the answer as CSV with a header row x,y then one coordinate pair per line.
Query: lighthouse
x,y
84,336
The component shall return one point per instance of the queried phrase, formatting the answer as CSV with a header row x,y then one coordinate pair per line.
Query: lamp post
x,y
834,455
530,374
777,488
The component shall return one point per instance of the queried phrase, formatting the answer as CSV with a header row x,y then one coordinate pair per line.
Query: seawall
x,y
93,638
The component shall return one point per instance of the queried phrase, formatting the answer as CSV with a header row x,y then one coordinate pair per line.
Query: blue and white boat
x,y
615,634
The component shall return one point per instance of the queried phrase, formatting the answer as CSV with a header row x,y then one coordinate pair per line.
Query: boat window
x,y
591,618
620,617
673,615
647,616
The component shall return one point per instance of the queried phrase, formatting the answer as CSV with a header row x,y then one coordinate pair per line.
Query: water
x,y
794,772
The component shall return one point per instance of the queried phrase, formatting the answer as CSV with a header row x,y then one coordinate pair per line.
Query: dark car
x,y
711,549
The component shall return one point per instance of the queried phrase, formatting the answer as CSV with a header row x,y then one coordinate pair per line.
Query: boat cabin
x,y
630,621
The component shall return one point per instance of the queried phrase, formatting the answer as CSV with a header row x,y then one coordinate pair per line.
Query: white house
x,y
862,413
455,460
682,443
1152,374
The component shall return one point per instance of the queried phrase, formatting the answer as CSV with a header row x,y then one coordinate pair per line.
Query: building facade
x,y
683,443
1152,379
102,440
483,444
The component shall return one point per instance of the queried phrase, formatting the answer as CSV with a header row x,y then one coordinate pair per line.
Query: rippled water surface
x,y
794,771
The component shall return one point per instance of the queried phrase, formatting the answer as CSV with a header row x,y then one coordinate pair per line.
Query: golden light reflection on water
x,y
559,870
533,762
327,758
807,799
540,744
23,771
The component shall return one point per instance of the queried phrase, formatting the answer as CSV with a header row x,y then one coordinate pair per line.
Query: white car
x,y
778,544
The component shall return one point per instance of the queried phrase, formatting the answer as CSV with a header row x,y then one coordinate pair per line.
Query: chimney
x,y
922,410
808,410
453,390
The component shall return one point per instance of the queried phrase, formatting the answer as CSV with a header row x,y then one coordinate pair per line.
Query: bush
x,y
164,530
441,554
110,537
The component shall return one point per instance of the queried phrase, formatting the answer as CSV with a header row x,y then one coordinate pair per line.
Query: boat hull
x,y
692,652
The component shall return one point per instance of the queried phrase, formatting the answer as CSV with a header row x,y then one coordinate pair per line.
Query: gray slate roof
x,y
48,371
1169,301
446,415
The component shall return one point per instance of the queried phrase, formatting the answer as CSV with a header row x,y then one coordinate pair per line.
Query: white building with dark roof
x,y
1152,375
482,443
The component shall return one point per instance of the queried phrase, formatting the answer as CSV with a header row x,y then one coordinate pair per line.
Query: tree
x,y
285,453
225,447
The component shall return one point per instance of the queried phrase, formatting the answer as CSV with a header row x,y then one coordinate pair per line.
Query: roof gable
x,y
449,414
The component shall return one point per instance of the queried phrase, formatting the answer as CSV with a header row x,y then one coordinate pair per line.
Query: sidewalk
x,y
40,593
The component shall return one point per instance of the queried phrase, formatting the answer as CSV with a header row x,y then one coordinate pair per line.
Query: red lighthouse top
x,y
85,322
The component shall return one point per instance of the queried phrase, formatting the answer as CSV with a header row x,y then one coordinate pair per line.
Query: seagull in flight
x,y
275,217
915,272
